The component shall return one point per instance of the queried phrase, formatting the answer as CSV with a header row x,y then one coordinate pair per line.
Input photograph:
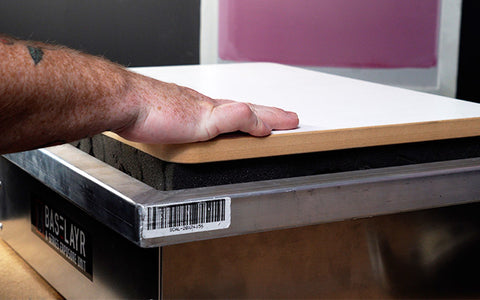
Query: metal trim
x,y
78,177
120,201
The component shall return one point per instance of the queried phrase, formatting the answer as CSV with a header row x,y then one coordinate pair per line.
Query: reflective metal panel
x,y
122,202
119,268
425,254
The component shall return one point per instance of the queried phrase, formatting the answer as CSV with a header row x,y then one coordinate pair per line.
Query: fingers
x,y
234,116
256,120
276,118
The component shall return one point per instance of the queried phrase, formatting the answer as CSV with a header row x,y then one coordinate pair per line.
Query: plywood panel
x,y
19,281
335,112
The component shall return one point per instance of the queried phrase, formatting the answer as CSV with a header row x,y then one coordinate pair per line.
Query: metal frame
x,y
120,201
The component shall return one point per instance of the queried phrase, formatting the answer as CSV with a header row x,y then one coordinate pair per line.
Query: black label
x,y
64,235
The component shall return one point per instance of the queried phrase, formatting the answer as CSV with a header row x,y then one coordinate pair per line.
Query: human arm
x,y
51,94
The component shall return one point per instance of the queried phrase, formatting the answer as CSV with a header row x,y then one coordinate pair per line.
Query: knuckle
x,y
245,110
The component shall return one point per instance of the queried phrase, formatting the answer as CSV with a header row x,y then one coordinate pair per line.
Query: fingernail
x,y
292,114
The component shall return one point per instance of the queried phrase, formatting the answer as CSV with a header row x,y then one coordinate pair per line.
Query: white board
x,y
326,104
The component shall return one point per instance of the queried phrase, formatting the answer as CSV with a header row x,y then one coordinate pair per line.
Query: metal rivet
x,y
1,226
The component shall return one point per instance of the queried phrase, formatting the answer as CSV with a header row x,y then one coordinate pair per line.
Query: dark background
x,y
130,32
468,85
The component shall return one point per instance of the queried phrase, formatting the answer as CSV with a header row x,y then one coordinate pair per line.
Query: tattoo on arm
x,y
35,49
36,54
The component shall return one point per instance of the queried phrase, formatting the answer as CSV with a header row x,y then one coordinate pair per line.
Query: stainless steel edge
x,y
88,183
303,201
120,201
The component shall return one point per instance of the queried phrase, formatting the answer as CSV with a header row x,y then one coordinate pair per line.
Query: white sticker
x,y
190,217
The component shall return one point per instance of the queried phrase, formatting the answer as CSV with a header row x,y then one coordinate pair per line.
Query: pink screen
x,y
339,33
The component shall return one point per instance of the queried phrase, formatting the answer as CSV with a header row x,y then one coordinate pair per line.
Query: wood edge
x,y
235,147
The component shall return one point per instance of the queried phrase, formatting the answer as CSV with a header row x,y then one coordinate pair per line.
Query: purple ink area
x,y
337,33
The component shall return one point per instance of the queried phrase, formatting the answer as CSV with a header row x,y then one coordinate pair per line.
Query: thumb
x,y
235,116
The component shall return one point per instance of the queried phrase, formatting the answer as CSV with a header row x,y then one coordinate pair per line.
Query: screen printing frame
x,y
441,80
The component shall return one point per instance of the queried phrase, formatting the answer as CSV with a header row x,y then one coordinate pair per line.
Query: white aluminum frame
x,y
441,79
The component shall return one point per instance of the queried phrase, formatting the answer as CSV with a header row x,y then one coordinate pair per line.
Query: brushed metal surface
x,y
120,202
121,269
407,231
424,254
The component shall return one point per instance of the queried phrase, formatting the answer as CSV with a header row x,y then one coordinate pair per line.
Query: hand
x,y
169,114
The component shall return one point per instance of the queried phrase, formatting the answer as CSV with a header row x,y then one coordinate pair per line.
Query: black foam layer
x,y
172,176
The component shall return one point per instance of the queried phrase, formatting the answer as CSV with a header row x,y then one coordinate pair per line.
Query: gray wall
x,y
130,32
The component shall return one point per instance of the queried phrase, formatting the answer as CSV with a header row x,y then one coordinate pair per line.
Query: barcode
x,y
162,217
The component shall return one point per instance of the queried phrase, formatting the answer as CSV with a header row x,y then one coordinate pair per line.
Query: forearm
x,y
51,94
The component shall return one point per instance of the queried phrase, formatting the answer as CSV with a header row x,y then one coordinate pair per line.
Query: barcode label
x,y
205,215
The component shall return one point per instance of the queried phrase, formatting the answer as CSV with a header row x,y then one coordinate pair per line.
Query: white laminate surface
x,y
335,112
322,101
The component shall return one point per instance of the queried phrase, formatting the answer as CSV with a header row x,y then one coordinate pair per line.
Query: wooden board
x,y
19,281
335,112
